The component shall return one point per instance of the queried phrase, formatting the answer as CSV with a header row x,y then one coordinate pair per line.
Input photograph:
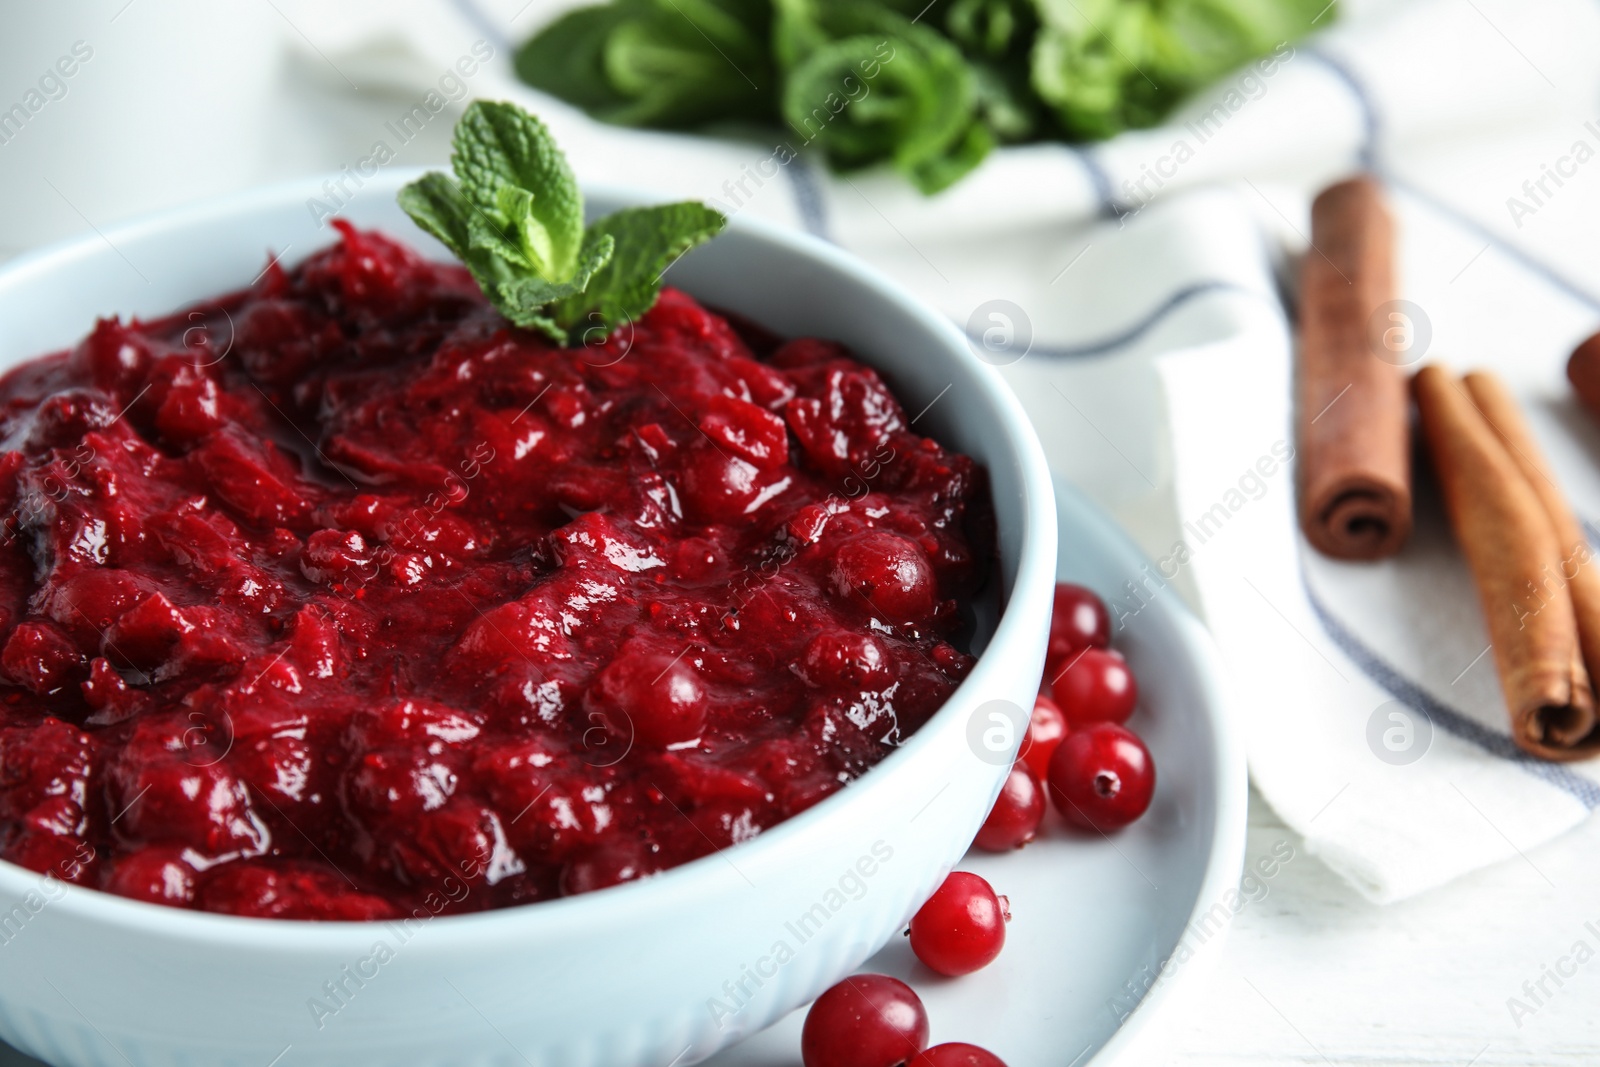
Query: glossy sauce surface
x,y
339,598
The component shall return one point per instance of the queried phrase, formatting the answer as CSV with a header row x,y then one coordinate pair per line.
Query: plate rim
x,y
1225,858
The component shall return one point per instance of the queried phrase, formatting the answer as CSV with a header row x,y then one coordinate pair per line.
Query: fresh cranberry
x,y
956,1054
1046,727
1016,814
754,434
1102,777
867,1020
519,631
112,356
459,840
962,927
840,659
1079,620
144,636
653,701
719,486
291,892
253,476
86,603
1094,685
885,573
40,657
49,839
37,763
157,875
159,792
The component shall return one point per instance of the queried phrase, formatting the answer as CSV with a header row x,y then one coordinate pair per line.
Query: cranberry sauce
x,y
339,598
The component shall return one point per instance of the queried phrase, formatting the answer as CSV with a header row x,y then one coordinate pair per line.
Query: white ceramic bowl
x,y
1109,936
649,974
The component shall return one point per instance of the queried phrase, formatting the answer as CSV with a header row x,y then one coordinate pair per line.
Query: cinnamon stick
x,y
1583,371
1354,459
1515,554
1578,567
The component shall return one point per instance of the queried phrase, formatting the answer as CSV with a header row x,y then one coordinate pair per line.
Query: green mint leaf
x,y
512,172
1105,66
567,59
436,204
492,235
663,63
514,216
992,29
935,175
648,241
530,297
869,85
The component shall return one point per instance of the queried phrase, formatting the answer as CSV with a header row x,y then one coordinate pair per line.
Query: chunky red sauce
x,y
338,598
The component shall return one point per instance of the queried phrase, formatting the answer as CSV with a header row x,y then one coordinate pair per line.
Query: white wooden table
x,y
1314,974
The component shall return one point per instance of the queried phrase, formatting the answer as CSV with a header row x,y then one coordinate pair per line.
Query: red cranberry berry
x,y
291,892
41,657
1079,619
867,1020
962,927
718,486
1015,817
839,659
1102,777
159,875
1046,727
956,1054
750,432
1094,685
651,701
886,574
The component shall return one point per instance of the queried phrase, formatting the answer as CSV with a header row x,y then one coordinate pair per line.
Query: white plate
x,y
1095,918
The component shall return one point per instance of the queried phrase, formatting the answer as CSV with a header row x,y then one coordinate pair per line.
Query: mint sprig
x,y
513,214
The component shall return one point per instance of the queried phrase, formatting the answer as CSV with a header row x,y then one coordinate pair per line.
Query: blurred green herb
x,y
514,215
666,63
1107,65
928,87
868,85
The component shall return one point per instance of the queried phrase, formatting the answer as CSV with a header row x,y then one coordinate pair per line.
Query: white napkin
x,y
1149,344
